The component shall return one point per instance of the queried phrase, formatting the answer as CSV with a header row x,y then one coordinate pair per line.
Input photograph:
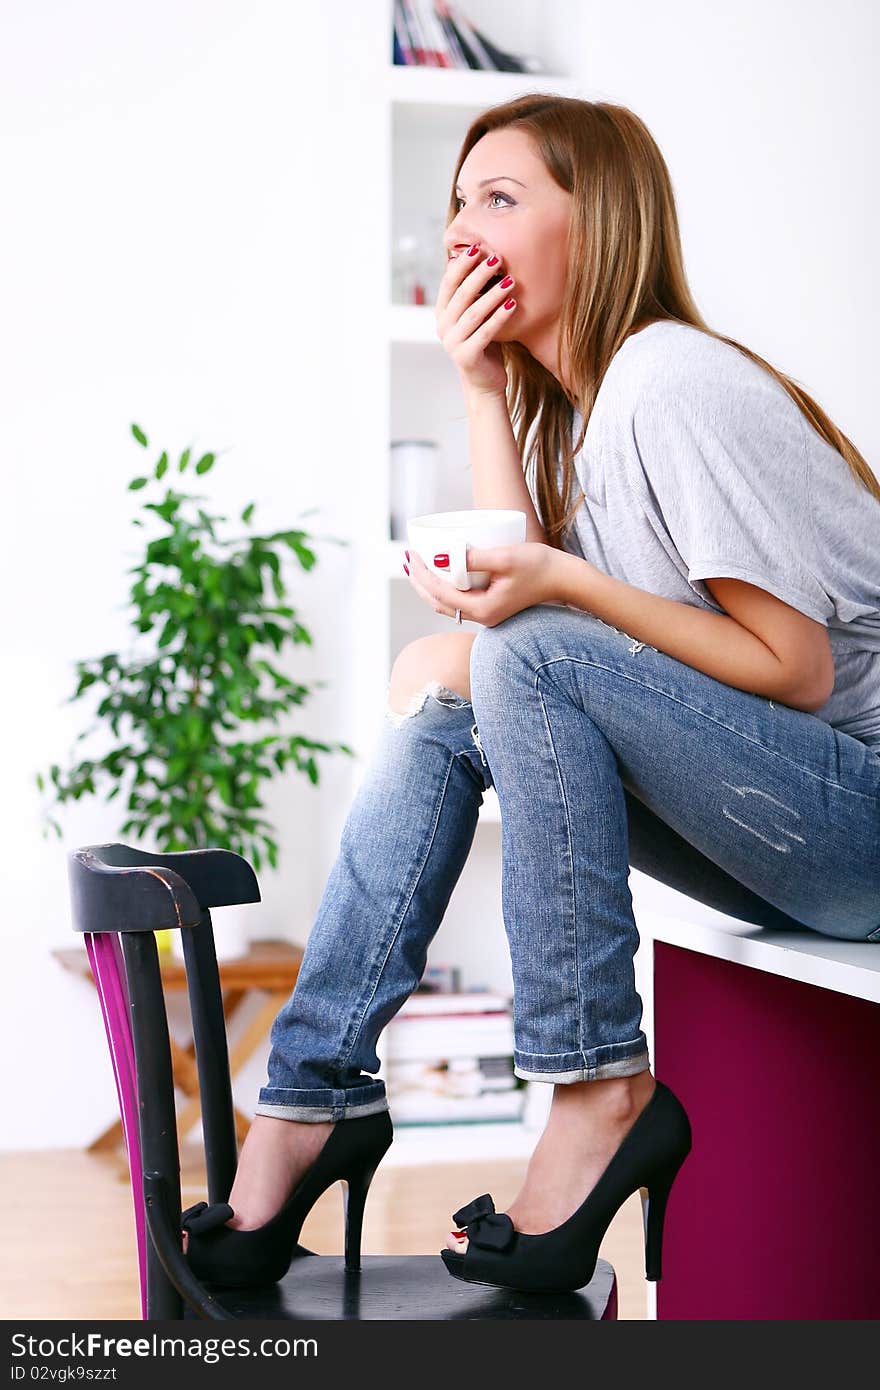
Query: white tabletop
x,y
849,967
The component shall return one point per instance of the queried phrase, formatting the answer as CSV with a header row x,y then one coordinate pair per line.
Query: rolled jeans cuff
x,y
282,1103
598,1064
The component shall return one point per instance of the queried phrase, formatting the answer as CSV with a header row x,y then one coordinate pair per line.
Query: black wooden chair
x,y
120,896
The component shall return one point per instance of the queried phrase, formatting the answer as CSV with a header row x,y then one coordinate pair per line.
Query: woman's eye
x,y
509,201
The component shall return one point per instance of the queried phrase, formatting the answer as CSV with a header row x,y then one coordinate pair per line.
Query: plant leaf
x,y
189,775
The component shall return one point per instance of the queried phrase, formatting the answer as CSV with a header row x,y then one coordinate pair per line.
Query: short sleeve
x,y
720,470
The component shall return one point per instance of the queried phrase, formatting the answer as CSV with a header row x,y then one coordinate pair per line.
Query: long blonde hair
x,y
625,265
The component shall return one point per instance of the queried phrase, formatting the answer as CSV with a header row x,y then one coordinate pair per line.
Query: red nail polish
x,y
406,553
406,567
473,251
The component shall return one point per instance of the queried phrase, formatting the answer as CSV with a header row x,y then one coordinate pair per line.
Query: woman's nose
x,y
460,240
459,237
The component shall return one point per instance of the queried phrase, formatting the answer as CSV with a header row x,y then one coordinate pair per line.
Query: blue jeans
x,y
605,753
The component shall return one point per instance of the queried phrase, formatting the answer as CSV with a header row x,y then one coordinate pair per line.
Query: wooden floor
x,y
69,1229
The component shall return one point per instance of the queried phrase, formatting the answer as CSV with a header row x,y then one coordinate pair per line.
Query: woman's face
x,y
522,215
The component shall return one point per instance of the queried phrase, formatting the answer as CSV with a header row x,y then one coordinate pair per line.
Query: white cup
x,y
441,540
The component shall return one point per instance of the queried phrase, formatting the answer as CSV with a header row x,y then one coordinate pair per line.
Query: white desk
x,y
772,1041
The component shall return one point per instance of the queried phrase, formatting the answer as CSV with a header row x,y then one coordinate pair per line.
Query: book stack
x,y
449,1057
431,33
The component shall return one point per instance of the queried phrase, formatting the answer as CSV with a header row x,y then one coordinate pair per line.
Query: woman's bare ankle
x,y
617,1096
274,1157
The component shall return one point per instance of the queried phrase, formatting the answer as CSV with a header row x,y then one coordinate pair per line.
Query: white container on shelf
x,y
413,482
408,280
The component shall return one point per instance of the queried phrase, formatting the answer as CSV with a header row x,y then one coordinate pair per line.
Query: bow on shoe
x,y
202,1217
492,1229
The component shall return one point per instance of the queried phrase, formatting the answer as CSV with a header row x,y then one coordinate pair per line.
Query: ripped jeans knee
x,y
416,703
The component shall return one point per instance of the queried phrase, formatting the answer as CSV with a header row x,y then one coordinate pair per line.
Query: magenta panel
x,y
774,1213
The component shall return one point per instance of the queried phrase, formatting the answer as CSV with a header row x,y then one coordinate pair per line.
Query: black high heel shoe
x,y
351,1154
559,1261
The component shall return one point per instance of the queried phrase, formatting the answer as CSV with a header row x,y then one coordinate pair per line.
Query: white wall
x,y
767,116
171,241
176,226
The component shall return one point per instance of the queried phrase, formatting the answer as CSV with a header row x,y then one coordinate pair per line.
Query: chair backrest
x,y
120,896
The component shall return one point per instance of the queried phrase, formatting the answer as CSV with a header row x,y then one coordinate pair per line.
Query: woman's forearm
x,y
710,642
496,468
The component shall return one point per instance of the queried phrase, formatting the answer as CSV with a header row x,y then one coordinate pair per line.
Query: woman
x,y
676,671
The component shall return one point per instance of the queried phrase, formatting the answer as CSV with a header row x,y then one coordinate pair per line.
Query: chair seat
x,y
397,1288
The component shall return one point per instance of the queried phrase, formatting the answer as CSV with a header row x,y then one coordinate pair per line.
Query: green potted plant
x,y
187,758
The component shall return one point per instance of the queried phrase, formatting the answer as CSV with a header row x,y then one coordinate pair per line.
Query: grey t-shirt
x,y
697,464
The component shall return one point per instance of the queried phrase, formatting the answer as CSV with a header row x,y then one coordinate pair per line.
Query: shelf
x,y
456,1143
465,87
425,116
439,104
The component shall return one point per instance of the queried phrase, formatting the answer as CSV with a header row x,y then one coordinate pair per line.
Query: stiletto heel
x,y
351,1154
647,1160
654,1198
354,1200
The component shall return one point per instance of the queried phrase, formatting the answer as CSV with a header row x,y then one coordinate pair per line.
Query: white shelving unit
x,y
423,115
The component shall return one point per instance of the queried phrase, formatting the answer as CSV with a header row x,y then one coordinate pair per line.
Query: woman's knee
x,y
441,656
540,637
